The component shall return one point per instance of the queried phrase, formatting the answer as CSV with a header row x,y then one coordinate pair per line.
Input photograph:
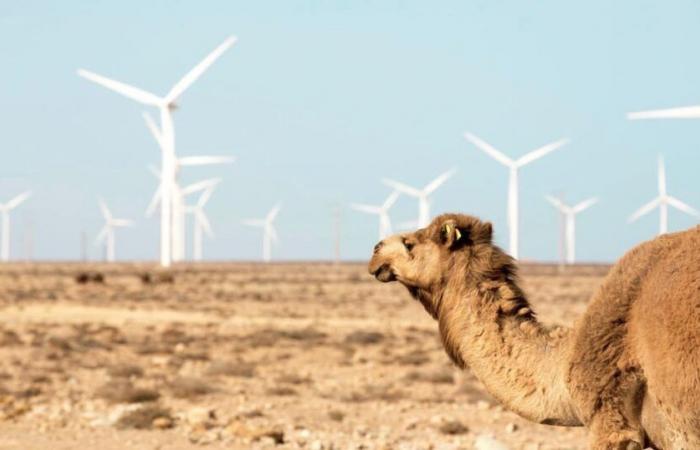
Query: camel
x,y
628,370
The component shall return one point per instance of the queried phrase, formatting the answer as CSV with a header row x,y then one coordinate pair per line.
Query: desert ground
x,y
306,355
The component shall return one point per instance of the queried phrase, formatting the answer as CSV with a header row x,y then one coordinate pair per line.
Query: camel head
x,y
425,260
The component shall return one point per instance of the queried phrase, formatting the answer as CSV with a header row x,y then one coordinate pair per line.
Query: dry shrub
x,y
290,378
282,391
364,337
232,369
125,371
444,376
453,427
157,278
385,393
270,336
175,336
89,277
143,417
413,359
122,391
9,338
253,413
190,387
336,415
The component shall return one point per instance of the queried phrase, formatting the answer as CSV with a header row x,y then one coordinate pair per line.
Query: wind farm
x,y
191,194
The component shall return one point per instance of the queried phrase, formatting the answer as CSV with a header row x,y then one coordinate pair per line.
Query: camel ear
x,y
450,234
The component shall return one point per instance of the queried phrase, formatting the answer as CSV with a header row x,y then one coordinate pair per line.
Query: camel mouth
x,y
384,274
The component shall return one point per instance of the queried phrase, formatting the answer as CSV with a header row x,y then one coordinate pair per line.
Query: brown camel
x,y
629,370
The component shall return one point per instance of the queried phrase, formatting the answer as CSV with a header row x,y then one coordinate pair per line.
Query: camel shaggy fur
x,y
629,370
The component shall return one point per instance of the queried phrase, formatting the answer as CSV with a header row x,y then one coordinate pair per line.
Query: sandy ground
x,y
313,356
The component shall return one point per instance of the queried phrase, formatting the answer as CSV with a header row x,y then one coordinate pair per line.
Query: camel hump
x,y
664,329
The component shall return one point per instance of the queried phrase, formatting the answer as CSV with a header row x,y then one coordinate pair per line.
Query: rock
x,y
200,417
511,428
162,423
316,445
483,405
488,442
253,433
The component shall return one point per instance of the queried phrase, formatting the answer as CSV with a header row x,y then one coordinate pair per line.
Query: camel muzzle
x,y
384,273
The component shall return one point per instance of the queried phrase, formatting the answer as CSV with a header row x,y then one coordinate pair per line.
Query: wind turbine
x,y
663,201
165,105
513,165
5,210
382,211
421,194
269,232
107,232
569,213
201,222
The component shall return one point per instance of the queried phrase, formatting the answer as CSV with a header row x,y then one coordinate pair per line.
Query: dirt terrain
x,y
315,356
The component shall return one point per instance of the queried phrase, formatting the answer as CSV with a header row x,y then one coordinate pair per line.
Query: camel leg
x,y
610,431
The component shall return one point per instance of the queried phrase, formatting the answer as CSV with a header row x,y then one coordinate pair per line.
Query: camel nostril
x,y
378,246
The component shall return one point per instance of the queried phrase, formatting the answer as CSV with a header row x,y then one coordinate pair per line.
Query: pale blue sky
x,y
319,100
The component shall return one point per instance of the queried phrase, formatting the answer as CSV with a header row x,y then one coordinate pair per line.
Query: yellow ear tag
x,y
459,235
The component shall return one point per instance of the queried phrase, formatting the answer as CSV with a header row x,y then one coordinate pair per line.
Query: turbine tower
x,y
165,105
5,210
201,222
421,194
513,166
382,211
178,202
569,213
663,201
269,232
106,235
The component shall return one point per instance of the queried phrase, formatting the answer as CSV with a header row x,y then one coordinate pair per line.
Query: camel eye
x,y
408,245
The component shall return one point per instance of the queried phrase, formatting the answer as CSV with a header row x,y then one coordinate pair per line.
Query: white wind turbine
x,y
106,234
382,211
269,232
5,210
663,201
201,222
165,105
513,165
421,194
569,213
177,198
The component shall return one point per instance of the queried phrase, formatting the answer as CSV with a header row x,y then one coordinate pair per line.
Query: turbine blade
x,y
102,234
369,209
105,211
198,70
679,205
122,88
273,233
540,152
685,112
200,186
121,223
584,205
16,201
153,128
406,189
556,202
204,198
273,213
155,200
488,149
662,177
644,210
437,182
204,222
205,160
390,200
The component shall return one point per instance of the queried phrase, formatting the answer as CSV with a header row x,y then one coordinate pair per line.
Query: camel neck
x,y
488,326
